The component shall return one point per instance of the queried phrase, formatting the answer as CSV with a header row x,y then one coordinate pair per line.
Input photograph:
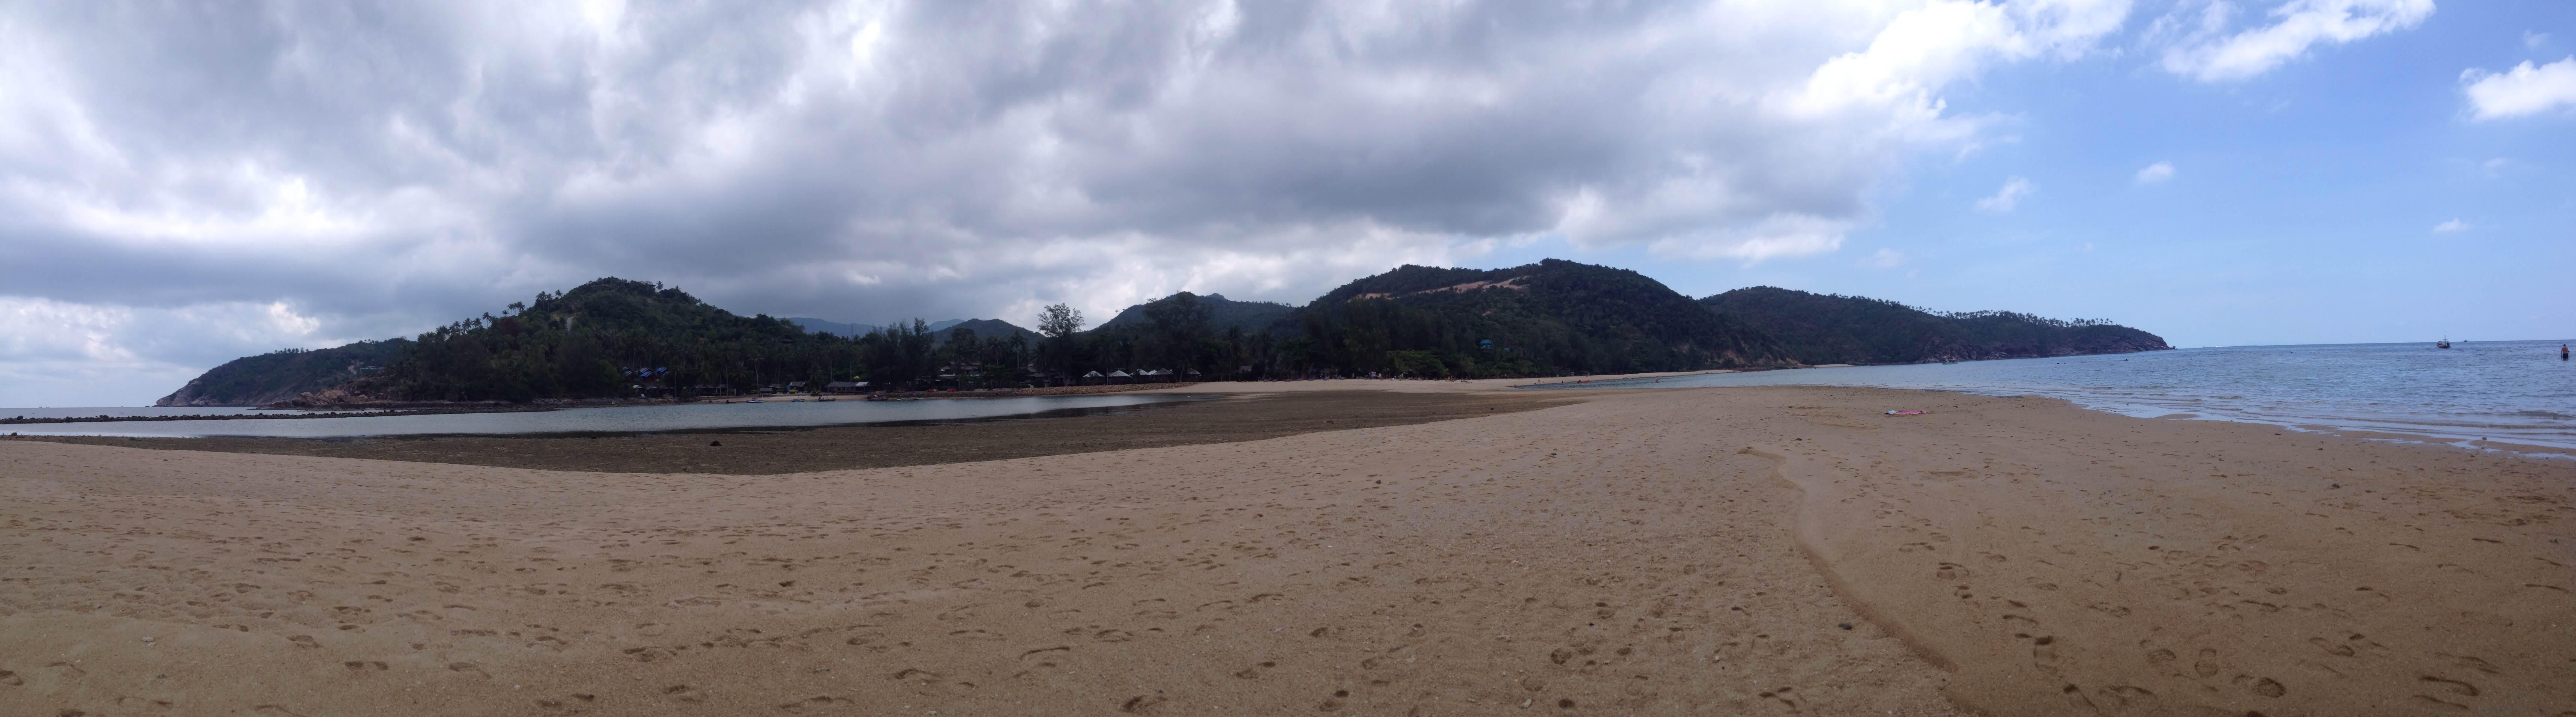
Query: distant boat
x,y
2443,344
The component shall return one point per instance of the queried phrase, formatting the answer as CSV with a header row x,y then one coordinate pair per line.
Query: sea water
x,y
2509,391
770,413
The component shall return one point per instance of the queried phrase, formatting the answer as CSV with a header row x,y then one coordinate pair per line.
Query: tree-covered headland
x,y
621,338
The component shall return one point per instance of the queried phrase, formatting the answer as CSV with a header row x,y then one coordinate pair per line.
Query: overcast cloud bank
x,y
183,185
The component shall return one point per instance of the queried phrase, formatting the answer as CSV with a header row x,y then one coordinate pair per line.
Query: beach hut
x,y
1094,378
1117,377
845,386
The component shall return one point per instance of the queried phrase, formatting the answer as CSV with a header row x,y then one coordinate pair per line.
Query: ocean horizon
x,y
2501,391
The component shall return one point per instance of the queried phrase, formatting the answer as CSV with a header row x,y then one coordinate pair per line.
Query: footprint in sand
x,y
138,704
2455,687
469,668
1784,697
2466,661
684,693
364,666
814,703
2207,666
2263,686
2043,653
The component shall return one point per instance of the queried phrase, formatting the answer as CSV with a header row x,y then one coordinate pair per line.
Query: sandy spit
x,y
1678,552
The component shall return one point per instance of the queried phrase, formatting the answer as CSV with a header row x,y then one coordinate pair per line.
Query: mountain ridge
x,y
1832,328
615,337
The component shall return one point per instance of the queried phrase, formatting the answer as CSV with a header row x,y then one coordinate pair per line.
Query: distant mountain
x,y
280,375
1223,313
983,328
618,338
1827,328
822,326
1551,317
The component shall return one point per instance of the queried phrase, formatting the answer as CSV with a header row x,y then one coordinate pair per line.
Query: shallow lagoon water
x,y
777,413
2511,391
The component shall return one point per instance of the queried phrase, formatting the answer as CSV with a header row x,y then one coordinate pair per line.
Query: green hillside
x,y
619,338
601,338
1223,314
1827,328
280,375
987,329
1546,318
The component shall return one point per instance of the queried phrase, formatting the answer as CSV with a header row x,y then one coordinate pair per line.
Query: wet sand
x,y
1241,417
1718,551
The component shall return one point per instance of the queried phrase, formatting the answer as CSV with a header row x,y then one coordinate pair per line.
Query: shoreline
x,y
1226,418
1665,552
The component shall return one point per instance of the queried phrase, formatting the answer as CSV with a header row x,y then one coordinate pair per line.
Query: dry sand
x,y
1684,552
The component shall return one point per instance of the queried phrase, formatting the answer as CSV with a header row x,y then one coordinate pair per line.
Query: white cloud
x,y
55,353
2533,40
385,172
2523,90
2451,227
2009,196
2155,173
1780,235
2210,53
1887,259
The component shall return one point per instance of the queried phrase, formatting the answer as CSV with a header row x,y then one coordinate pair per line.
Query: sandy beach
x,y
1740,551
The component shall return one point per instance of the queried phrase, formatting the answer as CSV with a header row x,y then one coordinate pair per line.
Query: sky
x,y
182,184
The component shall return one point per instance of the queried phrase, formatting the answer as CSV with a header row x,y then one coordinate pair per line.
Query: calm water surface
x,y
2516,391
619,419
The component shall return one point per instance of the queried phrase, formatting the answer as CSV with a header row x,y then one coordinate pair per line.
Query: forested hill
x,y
598,339
1223,314
1827,328
280,375
619,338
1551,317
827,326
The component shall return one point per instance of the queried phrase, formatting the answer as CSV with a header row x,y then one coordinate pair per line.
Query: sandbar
x,y
1753,550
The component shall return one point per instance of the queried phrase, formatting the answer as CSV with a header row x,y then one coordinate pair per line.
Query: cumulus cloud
x,y
2521,91
2207,47
2155,173
55,353
387,168
2009,196
1887,259
2451,227
2533,40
